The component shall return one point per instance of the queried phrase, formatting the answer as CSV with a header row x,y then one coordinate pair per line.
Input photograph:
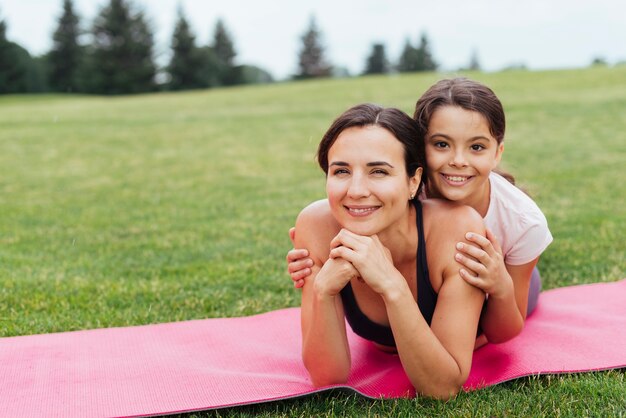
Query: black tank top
x,y
426,296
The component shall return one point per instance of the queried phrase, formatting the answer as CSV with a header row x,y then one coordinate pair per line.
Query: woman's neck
x,y
401,237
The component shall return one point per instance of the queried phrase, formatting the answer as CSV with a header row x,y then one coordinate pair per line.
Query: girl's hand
x,y
484,264
299,266
368,255
298,262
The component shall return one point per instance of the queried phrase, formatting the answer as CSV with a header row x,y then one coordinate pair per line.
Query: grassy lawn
x,y
165,207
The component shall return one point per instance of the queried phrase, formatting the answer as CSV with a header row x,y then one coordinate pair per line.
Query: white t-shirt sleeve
x,y
518,223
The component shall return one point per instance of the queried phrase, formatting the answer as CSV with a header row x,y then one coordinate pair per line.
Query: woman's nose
x,y
358,187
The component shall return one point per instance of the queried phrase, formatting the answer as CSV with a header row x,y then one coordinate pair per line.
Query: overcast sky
x,y
542,34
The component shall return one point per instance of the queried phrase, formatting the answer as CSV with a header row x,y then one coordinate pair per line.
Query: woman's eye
x,y
340,171
380,172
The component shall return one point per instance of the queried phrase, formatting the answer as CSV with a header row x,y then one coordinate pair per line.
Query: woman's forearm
x,y
325,350
431,368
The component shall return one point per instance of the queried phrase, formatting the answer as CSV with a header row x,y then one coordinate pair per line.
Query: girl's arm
x,y
506,285
505,316
325,350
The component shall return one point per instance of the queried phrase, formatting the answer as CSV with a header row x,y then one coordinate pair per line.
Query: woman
x,y
384,259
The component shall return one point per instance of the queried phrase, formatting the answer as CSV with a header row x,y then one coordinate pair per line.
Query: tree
x,y
121,59
224,51
312,62
186,66
474,64
377,62
18,72
416,59
424,57
408,58
65,57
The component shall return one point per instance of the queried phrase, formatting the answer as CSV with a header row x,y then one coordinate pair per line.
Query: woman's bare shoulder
x,y
449,217
315,228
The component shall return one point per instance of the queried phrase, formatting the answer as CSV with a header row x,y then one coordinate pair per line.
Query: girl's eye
x,y
440,144
477,147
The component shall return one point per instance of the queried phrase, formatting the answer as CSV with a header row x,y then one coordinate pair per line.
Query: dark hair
x,y
394,120
466,94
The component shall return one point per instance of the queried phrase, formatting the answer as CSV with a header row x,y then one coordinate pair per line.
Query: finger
x,y
300,275
348,239
343,252
296,254
477,268
474,252
292,235
298,265
480,240
298,284
494,241
471,279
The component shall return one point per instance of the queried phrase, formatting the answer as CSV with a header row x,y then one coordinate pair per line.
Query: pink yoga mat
x,y
213,363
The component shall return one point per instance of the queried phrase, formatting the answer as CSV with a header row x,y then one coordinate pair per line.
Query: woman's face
x,y
460,154
367,185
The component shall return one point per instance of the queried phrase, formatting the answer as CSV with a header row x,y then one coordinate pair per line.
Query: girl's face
x,y
367,185
460,154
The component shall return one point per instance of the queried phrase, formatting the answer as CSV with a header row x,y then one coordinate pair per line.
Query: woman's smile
x,y
360,211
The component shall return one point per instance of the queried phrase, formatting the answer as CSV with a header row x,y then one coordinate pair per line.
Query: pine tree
x,y
224,51
377,62
311,60
424,58
185,67
65,58
474,63
408,59
121,59
15,65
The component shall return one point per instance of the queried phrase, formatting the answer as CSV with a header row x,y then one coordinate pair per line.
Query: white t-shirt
x,y
516,221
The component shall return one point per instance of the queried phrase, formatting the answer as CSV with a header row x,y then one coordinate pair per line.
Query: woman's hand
x,y
368,255
484,264
334,275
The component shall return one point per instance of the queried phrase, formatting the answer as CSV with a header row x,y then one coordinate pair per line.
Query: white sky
x,y
538,33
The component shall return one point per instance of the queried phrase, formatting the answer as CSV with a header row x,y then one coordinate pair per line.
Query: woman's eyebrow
x,y
377,163
339,163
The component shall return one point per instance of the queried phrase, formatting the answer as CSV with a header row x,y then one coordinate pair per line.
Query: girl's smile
x,y
461,152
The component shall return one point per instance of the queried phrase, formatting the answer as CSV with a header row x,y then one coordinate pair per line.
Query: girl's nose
x,y
458,159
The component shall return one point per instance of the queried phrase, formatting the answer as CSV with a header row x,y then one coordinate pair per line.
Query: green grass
x,y
165,207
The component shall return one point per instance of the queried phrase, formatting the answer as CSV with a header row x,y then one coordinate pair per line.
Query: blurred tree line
x,y
117,56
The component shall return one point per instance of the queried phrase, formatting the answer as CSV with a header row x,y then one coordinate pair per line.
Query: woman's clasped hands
x,y
370,261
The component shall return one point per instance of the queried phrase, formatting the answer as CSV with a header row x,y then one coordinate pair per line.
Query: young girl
x,y
384,259
463,124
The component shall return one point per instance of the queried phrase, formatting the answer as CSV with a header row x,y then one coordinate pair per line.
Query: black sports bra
x,y
426,296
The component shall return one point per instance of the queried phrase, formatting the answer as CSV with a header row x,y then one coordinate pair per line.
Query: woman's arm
x,y
325,350
437,359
